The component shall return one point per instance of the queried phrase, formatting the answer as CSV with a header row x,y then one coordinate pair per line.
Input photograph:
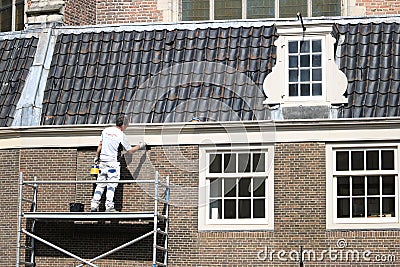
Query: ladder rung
x,y
27,247
160,264
161,248
29,264
28,200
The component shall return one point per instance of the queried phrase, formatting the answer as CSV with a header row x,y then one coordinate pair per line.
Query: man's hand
x,y
142,145
96,160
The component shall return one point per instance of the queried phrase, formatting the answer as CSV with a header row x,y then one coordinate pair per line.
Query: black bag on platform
x,y
76,207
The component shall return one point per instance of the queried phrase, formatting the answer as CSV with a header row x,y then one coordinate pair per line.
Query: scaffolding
x,y
33,216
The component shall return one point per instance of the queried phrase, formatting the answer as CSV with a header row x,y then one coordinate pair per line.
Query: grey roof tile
x,y
370,60
16,57
131,72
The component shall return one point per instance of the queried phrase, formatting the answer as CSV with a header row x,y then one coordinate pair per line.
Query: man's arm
x,y
133,149
97,158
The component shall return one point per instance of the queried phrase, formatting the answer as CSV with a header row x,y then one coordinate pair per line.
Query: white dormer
x,y
305,74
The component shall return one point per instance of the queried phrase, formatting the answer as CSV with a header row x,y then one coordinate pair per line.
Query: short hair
x,y
122,120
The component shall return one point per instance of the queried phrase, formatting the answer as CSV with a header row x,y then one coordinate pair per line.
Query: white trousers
x,y
108,172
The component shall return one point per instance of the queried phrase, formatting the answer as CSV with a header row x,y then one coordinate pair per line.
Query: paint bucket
x,y
76,207
94,170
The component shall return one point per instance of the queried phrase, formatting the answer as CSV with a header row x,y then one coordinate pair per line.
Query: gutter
x,y
209,133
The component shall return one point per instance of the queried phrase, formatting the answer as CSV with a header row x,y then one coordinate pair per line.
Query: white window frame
x,y
332,222
344,6
334,84
208,224
321,97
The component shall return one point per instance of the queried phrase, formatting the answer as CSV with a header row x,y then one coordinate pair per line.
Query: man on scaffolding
x,y
107,159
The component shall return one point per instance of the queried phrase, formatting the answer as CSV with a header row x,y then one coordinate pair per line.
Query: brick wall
x,y
80,12
8,208
382,7
299,211
122,11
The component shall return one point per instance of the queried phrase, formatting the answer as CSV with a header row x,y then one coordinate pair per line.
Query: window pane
x,y
260,9
358,185
289,8
195,9
293,62
245,187
326,8
388,207
20,13
215,163
5,15
293,75
342,160
305,76
244,162
215,187
229,187
343,206
293,90
293,47
387,159
317,74
230,209
259,208
316,60
358,207
258,162
244,208
229,163
357,160
388,185
304,89
316,89
343,186
259,187
305,46
316,45
373,185
305,61
215,209
231,9
373,206
373,160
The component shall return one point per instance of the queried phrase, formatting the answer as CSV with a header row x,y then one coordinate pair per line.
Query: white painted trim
x,y
210,133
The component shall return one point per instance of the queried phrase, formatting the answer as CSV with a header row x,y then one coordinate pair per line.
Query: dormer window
x,y
305,81
305,77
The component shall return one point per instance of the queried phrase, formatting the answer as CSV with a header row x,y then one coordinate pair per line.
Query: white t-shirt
x,y
111,137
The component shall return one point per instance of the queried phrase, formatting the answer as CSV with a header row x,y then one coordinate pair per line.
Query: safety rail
x,y
154,215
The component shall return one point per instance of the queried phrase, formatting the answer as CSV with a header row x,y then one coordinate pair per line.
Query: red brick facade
x,y
300,211
382,7
122,11
80,12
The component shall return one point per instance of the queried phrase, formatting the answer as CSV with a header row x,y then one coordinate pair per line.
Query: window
x,y
237,188
364,186
253,9
305,67
12,15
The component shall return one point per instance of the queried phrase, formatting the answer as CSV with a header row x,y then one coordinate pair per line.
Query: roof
x,y
16,58
171,73
159,76
369,55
